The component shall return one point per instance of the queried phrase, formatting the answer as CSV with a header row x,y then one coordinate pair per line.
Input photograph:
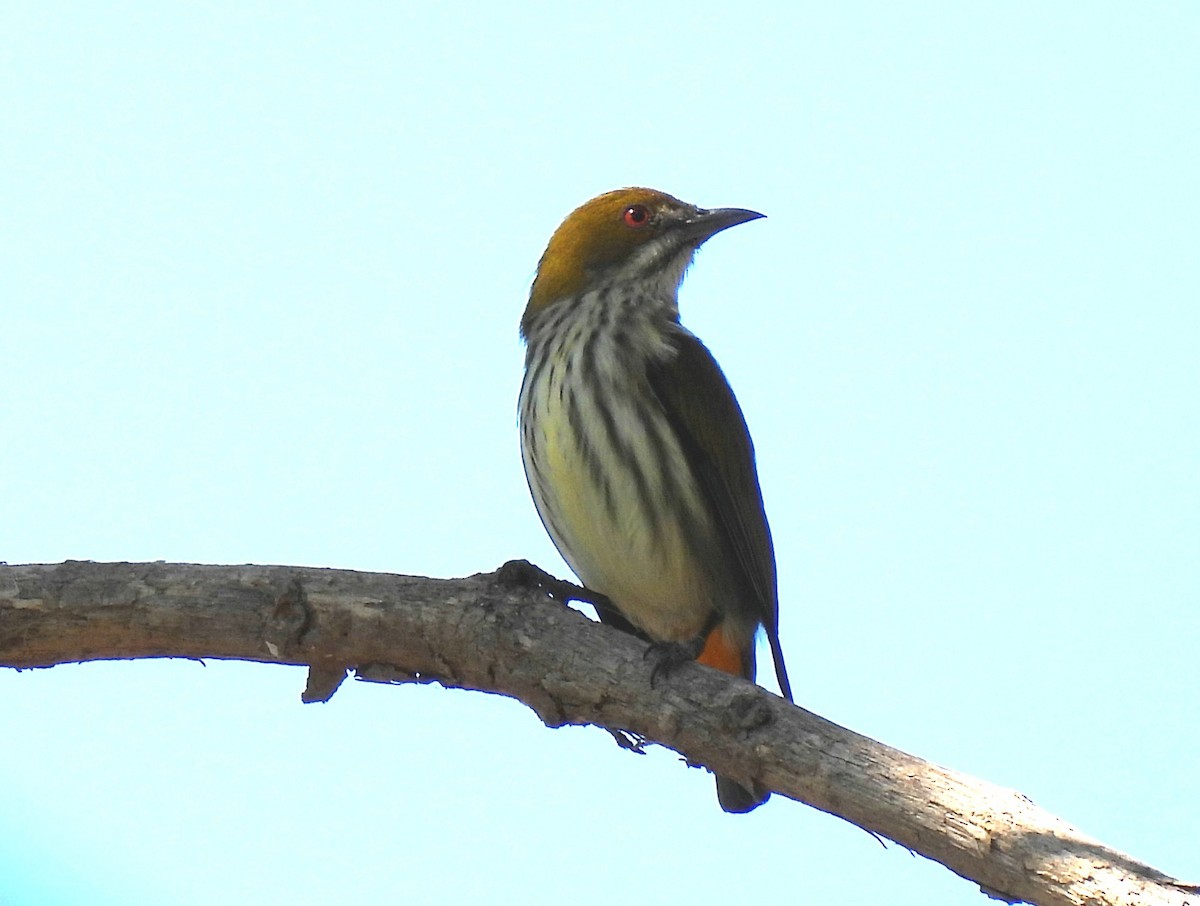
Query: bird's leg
x,y
669,655
523,574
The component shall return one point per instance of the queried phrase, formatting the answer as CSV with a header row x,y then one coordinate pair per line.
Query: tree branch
x,y
486,633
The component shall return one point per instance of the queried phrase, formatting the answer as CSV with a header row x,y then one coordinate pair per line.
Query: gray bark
x,y
483,634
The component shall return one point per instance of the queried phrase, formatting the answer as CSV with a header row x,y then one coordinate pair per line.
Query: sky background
x,y
261,270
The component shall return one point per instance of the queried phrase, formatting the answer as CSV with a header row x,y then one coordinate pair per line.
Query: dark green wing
x,y
702,409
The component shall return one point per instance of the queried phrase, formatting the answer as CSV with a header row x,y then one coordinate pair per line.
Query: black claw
x,y
523,574
631,742
669,655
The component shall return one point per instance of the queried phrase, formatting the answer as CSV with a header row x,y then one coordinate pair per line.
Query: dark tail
x,y
736,798
785,687
732,654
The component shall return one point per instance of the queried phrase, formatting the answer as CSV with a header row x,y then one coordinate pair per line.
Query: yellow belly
x,y
647,566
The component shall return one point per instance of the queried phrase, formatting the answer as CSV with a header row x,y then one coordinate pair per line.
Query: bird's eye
x,y
636,216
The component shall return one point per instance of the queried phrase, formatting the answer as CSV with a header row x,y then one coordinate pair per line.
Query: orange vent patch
x,y
721,653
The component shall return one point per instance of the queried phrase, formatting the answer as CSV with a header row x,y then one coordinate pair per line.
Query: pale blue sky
x,y
260,278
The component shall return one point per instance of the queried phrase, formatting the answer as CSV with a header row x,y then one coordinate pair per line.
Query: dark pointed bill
x,y
700,224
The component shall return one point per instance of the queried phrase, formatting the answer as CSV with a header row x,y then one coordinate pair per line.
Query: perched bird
x,y
636,451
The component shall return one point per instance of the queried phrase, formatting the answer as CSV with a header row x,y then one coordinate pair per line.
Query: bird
x,y
636,452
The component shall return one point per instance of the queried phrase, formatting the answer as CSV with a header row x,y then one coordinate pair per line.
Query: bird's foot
x,y
668,656
523,574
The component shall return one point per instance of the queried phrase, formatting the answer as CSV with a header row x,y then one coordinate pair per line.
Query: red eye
x,y
637,215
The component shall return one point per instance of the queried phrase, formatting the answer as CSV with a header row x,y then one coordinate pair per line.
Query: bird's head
x,y
625,235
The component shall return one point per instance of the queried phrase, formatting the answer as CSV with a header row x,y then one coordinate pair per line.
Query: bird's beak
x,y
699,224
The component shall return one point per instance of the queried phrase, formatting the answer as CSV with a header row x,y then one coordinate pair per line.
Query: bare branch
x,y
485,634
